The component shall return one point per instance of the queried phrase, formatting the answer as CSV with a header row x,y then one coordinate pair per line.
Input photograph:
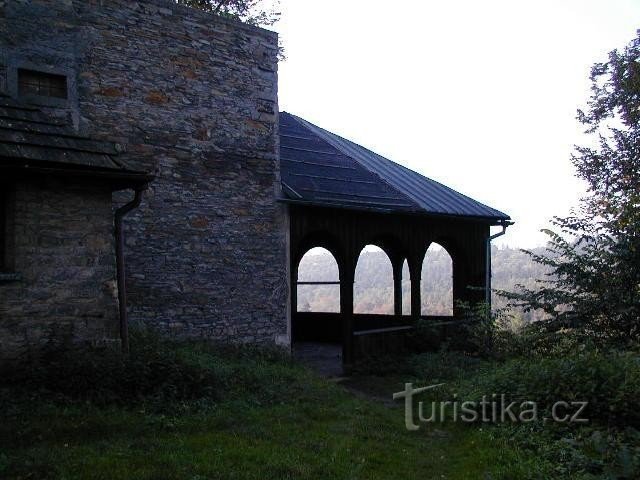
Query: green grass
x,y
198,411
346,439
267,419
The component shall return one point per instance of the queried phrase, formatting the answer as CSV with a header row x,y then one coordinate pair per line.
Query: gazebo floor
x,y
324,358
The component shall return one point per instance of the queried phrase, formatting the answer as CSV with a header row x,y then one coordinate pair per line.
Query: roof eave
x,y
476,218
117,179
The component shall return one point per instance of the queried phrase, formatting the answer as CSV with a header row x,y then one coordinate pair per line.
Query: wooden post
x,y
294,301
415,267
347,274
397,286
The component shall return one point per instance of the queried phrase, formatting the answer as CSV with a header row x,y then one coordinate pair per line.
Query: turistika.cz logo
x,y
492,408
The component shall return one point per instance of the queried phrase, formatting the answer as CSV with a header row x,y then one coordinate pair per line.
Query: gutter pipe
x,y
504,224
120,269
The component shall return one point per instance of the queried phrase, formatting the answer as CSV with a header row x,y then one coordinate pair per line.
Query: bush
x,y
610,382
157,371
445,365
478,331
607,447
425,337
154,368
586,454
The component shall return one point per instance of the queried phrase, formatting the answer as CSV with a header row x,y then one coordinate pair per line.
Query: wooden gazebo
x,y
343,197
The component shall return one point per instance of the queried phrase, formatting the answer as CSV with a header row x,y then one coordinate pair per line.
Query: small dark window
x,y
42,84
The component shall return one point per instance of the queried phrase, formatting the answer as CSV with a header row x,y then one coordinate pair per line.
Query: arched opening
x,y
437,282
318,284
316,323
373,282
406,289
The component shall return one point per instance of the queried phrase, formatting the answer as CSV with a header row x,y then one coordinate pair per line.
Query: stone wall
x,y
63,253
193,98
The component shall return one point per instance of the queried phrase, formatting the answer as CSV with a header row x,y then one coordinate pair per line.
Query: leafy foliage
x,y
247,11
605,447
588,454
595,258
490,334
610,382
157,372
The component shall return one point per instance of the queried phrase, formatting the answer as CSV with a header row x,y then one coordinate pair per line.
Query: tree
x,y
594,283
247,11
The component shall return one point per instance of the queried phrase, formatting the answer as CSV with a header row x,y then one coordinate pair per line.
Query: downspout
x,y
122,289
487,298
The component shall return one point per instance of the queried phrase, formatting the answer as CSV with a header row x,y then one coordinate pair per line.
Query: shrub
x,y
154,368
586,454
610,382
158,371
444,365
425,337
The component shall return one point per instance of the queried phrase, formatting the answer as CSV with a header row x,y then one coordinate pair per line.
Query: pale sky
x,y
479,95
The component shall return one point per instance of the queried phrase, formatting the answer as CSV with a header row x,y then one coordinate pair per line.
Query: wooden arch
x,y
345,232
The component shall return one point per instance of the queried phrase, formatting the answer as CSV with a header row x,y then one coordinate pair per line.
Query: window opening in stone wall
x,y
31,82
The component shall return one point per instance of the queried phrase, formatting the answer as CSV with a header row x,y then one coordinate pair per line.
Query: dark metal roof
x,y
319,167
31,141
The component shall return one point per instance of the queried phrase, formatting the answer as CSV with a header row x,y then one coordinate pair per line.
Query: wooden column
x,y
294,300
415,268
460,283
397,286
347,273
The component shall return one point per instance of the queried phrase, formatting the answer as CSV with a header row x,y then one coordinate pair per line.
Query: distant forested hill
x,y
373,289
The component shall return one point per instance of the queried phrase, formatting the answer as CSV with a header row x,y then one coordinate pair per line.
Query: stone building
x,y
170,114
186,97
57,268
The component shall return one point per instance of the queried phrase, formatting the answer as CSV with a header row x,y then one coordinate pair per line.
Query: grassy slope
x,y
351,439
277,422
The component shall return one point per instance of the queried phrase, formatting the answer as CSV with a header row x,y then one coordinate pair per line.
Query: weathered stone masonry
x,y
64,254
193,99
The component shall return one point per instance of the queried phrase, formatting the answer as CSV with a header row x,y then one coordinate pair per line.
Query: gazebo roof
x,y
321,168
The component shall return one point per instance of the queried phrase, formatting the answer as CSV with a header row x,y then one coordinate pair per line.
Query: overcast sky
x,y
480,96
